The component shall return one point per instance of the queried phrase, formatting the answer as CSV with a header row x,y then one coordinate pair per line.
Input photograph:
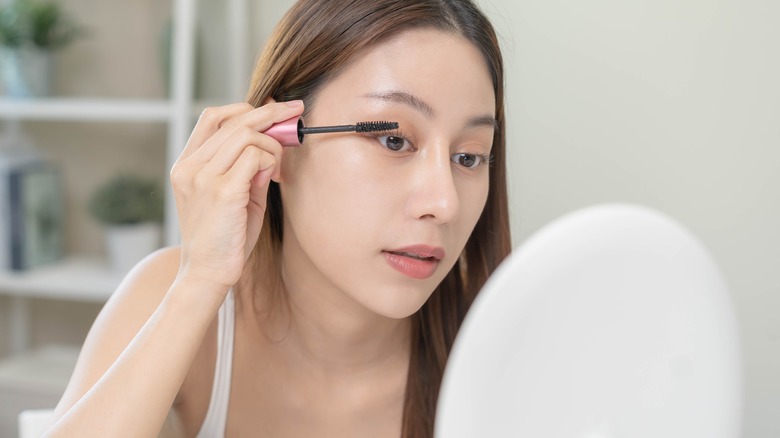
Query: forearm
x,y
135,394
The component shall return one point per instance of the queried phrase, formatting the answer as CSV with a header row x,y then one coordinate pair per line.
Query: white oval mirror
x,y
612,321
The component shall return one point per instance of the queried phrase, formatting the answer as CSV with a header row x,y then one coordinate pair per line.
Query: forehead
x,y
441,68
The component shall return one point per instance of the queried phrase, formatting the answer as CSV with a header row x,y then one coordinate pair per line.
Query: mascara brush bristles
x,y
375,126
358,127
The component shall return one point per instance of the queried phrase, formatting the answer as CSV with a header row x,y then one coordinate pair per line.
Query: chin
x,y
394,307
399,313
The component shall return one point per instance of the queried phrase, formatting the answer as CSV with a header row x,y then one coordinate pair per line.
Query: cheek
x,y
338,192
473,197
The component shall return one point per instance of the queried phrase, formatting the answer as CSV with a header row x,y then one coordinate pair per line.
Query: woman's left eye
x,y
395,143
470,161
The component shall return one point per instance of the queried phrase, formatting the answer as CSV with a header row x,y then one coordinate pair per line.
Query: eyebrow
x,y
425,108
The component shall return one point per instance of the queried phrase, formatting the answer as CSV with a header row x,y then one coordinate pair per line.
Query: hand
x,y
220,183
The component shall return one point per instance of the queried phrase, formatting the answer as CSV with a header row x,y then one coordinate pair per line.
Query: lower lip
x,y
412,267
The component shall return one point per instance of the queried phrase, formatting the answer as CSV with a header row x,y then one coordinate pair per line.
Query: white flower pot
x,y
26,71
128,244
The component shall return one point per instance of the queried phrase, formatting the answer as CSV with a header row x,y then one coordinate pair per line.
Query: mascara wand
x,y
290,132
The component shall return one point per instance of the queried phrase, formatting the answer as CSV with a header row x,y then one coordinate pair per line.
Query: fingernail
x,y
294,103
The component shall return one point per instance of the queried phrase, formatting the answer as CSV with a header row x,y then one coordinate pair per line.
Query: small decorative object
x,y
30,32
131,208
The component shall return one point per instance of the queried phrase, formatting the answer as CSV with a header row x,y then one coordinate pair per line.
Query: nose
x,y
434,195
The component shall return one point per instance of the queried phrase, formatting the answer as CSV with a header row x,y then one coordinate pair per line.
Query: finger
x,y
252,161
259,119
234,146
210,120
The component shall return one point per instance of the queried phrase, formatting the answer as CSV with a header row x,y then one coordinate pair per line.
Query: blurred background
x,y
673,105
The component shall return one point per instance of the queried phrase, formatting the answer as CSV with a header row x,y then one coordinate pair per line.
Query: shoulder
x,y
150,279
130,306
140,293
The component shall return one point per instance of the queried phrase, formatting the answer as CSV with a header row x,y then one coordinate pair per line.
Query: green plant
x,y
127,199
41,24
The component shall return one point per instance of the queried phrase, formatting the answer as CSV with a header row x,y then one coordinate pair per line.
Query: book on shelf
x,y
31,212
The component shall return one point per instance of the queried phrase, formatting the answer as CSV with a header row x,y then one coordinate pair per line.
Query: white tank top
x,y
216,417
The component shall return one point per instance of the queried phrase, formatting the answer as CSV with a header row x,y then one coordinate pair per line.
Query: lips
x,y
417,261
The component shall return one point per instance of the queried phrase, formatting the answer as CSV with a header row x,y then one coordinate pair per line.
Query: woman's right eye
x,y
395,143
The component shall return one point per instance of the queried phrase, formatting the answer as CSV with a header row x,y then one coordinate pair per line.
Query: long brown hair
x,y
314,42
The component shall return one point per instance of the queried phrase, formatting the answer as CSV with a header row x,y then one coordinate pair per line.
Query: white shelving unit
x,y
31,377
177,111
88,280
91,280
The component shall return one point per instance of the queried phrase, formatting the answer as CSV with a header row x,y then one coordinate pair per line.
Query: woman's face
x,y
380,218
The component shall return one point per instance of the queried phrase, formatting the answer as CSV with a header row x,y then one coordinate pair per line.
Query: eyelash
x,y
484,159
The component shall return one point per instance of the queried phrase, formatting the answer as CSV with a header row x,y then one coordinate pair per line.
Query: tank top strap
x,y
216,417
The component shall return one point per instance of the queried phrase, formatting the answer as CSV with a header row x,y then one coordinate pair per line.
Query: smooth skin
x,y
334,362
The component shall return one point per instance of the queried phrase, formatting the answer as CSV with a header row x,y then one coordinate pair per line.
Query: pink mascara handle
x,y
287,132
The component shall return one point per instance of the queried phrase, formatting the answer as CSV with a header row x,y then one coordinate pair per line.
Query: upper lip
x,y
435,252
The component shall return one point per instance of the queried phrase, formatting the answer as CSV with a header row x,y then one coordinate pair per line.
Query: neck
x,y
321,330
335,339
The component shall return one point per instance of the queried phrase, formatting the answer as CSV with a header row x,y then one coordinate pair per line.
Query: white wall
x,y
672,104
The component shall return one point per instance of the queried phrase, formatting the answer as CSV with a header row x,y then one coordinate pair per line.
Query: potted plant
x,y
131,208
31,31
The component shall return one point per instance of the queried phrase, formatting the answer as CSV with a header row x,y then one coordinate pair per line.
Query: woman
x,y
317,290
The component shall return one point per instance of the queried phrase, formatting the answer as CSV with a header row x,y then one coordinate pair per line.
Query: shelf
x,y
87,110
73,279
46,369
95,110
31,384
